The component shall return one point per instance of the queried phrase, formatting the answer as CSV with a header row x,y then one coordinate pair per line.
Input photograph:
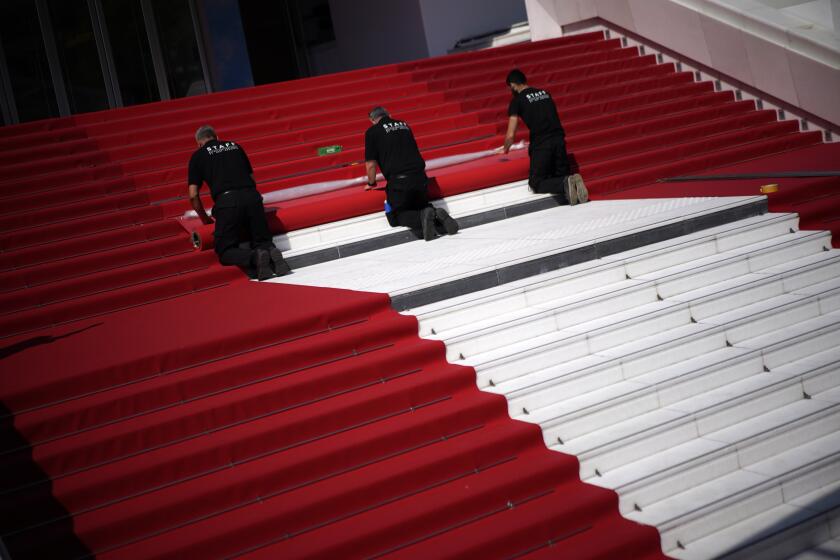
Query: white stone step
x,y
373,225
754,319
521,358
824,287
698,377
605,320
757,286
734,497
597,370
550,387
678,280
823,551
768,390
796,341
554,398
524,323
820,450
707,242
622,443
416,272
779,533
764,316
464,310
674,516
700,460
499,308
571,417
631,359
611,336
485,333
457,311
830,395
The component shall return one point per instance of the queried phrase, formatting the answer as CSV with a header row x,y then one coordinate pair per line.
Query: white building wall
x,y
447,21
754,42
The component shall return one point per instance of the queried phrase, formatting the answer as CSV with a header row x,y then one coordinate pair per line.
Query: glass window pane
x,y
78,55
131,54
26,59
180,50
316,21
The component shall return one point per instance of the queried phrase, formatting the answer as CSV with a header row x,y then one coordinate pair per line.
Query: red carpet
x,y
275,421
84,234
816,200
157,405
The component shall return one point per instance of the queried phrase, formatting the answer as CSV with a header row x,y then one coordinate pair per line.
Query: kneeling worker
x,y
550,172
390,143
237,205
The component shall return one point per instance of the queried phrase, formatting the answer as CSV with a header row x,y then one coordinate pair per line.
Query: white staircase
x,y
698,377
370,226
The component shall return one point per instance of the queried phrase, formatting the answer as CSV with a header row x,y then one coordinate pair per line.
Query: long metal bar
x,y
154,47
53,59
103,48
778,175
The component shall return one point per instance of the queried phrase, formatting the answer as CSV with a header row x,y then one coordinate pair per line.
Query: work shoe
x,y
278,263
263,265
427,222
570,189
582,191
448,222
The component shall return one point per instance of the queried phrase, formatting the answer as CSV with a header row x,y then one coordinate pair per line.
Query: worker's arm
x,y
195,200
370,167
513,124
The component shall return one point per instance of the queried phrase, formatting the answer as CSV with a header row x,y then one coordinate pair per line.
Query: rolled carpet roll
x,y
312,189
202,237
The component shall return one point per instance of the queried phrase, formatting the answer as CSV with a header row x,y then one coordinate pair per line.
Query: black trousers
x,y
549,165
407,196
240,215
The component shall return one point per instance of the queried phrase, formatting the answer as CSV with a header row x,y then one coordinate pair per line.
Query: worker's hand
x,y
508,144
370,187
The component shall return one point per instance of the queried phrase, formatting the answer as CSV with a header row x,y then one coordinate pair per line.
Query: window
x,y
131,53
78,55
180,48
26,60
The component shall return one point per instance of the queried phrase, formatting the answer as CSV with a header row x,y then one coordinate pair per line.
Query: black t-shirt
x,y
537,109
223,166
391,144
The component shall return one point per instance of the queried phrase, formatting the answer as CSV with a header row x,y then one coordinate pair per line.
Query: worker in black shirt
x,y
237,205
550,172
390,143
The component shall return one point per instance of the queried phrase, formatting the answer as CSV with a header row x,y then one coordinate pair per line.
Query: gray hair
x,y
205,132
378,112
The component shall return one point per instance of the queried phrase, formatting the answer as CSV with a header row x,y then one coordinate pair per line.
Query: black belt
x,y
220,195
404,176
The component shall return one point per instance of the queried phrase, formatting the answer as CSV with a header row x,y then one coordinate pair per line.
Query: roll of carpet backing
x,y
312,189
201,235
